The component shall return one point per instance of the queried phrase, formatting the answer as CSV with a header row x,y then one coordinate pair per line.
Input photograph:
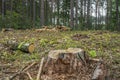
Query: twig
x,y
7,72
29,75
95,60
5,65
12,77
40,69
29,66
22,70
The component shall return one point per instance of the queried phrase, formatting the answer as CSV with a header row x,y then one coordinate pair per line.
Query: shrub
x,y
14,20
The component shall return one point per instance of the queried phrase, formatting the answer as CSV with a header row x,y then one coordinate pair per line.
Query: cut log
x,y
7,29
62,28
23,46
44,29
54,29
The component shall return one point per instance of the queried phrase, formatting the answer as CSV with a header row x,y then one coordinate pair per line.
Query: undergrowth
x,y
104,44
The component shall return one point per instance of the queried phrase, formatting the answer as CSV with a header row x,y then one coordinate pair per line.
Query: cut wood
x,y
23,46
99,73
62,28
22,70
40,69
54,29
7,29
73,64
29,75
79,53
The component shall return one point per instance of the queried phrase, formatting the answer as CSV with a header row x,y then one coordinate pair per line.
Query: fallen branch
x,y
7,72
22,70
40,69
29,66
29,75
5,65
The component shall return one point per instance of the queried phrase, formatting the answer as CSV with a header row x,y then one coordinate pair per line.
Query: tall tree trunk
x,y
0,6
11,7
3,8
96,13
117,14
99,17
108,15
76,14
88,14
31,12
27,5
34,13
84,22
39,8
46,7
52,11
81,13
58,7
42,12
72,13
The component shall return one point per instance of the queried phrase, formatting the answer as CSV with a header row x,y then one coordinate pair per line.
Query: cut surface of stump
x,y
70,64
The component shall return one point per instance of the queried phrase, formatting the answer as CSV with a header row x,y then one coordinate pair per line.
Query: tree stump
x,y
64,62
70,64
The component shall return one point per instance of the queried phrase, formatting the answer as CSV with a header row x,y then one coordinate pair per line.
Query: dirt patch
x,y
100,32
79,37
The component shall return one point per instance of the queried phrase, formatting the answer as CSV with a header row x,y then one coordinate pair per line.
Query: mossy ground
x,y
106,44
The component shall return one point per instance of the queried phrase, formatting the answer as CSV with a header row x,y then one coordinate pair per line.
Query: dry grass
x,y
105,43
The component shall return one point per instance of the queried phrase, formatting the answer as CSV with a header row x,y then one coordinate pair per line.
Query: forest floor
x,y
106,44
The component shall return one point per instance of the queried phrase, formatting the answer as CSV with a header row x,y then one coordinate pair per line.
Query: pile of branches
x,y
53,29
78,37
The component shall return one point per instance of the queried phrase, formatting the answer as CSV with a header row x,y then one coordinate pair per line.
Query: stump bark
x,y
70,64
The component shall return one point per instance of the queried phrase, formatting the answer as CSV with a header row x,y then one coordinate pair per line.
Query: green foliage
x,y
14,20
66,42
43,42
93,53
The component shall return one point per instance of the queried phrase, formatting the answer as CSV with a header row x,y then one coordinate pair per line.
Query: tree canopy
x,y
77,14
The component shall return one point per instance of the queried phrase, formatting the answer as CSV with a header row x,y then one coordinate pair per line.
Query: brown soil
x,y
79,37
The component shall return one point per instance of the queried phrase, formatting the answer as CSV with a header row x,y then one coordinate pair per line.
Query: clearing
x,y
106,44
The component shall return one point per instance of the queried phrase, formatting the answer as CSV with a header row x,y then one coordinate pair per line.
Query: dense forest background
x,y
76,14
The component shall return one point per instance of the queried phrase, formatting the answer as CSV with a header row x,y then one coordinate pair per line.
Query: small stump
x,y
70,64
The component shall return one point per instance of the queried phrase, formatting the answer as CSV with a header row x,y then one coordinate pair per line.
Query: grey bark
x,y
88,14
76,14
58,12
71,13
3,8
117,15
34,13
11,7
42,12
96,13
